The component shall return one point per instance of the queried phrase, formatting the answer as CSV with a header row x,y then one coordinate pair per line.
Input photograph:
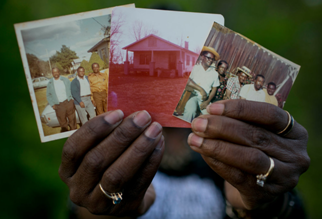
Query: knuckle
x,y
218,148
69,150
94,209
141,150
255,159
121,135
292,182
239,178
93,162
114,179
75,197
304,162
259,138
274,115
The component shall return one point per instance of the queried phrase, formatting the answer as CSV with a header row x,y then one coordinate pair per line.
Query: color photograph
x,y
231,66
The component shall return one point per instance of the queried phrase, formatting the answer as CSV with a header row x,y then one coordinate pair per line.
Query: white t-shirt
x,y
84,86
205,79
249,93
60,90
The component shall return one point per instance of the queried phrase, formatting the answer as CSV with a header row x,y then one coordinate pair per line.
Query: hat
x,y
245,70
211,50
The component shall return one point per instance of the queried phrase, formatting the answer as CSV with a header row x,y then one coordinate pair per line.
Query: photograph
x,y
231,66
151,55
66,63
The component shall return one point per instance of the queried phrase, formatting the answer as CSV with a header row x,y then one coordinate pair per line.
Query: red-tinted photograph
x,y
152,53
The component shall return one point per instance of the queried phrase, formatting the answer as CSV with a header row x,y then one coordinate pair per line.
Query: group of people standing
x,y
211,84
84,93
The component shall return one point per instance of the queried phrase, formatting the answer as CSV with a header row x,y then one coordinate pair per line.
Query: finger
x,y
90,134
247,159
97,160
267,115
133,192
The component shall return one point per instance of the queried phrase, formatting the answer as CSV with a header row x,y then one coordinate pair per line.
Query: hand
x,y
236,141
54,107
122,155
93,102
203,94
204,105
82,104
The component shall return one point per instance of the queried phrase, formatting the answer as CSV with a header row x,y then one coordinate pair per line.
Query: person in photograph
x,y
98,82
60,99
234,84
204,81
269,94
254,91
222,67
81,93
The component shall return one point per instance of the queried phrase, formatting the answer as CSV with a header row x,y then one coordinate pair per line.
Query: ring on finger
x,y
115,196
261,178
289,125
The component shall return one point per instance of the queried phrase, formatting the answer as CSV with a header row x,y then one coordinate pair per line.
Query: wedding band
x,y
289,126
261,179
116,197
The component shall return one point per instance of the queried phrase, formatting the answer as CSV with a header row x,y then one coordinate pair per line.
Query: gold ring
x,y
289,125
116,196
261,179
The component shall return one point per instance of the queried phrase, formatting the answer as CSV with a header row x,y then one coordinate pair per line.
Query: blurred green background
x,y
30,185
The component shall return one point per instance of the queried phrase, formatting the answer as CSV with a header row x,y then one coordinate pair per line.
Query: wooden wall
x,y
240,51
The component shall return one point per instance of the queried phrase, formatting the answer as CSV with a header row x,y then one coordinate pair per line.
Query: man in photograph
x,y
81,93
98,82
234,84
203,81
269,94
254,92
222,67
60,98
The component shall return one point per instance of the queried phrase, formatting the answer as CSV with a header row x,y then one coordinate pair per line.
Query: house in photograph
x,y
102,48
154,54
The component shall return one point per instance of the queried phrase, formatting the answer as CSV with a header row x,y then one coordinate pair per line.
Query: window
x,y
145,59
152,42
193,60
188,60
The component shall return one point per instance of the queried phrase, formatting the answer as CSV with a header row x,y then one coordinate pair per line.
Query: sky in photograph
x,y
170,25
78,35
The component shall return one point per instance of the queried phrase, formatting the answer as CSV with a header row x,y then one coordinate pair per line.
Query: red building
x,y
154,54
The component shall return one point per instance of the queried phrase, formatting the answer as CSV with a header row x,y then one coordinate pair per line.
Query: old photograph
x,y
66,63
231,66
151,55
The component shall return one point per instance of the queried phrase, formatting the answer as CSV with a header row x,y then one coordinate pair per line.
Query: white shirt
x,y
60,90
84,86
249,93
205,79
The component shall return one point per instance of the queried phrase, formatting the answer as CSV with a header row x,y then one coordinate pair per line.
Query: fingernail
x,y
114,117
199,124
159,145
195,140
142,118
154,130
216,108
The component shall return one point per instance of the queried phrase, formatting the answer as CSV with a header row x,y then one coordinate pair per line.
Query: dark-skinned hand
x,y
123,154
237,139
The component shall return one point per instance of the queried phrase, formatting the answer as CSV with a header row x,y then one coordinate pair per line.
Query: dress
x,y
82,93
63,101
99,83
207,79
270,98
234,87
220,90
249,93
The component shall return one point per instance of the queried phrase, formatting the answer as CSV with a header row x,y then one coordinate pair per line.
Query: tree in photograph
x,y
65,58
95,58
85,64
33,65
141,30
115,34
58,65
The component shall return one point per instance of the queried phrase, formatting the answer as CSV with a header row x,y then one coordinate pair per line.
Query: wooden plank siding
x,y
240,51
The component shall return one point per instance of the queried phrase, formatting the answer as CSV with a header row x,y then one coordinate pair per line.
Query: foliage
x,y
85,64
65,58
57,65
37,66
95,58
